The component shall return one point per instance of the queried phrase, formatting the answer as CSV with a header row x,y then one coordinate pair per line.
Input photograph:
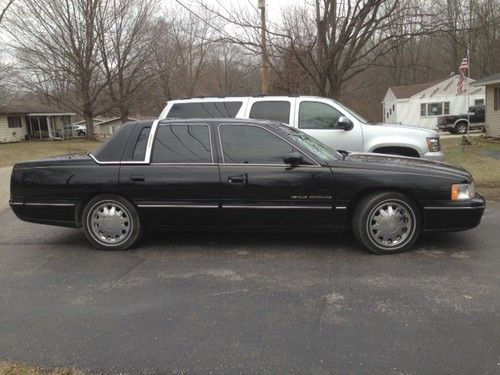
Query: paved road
x,y
246,303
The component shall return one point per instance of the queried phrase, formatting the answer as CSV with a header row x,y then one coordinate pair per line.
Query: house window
x,y
434,109
446,108
393,107
496,99
479,102
14,122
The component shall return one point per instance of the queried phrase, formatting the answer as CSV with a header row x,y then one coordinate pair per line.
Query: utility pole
x,y
264,71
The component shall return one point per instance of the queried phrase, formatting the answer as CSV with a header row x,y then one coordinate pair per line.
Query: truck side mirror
x,y
345,123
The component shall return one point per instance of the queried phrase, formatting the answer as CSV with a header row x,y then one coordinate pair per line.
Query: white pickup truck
x,y
323,118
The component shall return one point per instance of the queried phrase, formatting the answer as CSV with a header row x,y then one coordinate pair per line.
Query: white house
x,y
422,104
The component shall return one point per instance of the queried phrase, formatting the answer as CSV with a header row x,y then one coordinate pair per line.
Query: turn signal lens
x,y
462,191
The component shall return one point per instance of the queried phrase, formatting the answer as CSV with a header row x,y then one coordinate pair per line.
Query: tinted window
x,y
269,110
314,115
205,110
253,145
140,145
182,144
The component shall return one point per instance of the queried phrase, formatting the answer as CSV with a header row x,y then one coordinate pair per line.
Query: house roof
x,y
21,108
407,91
494,78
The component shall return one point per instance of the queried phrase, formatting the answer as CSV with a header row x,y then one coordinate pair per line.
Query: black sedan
x,y
241,174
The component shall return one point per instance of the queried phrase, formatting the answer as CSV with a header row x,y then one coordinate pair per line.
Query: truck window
x,y
315,115
271,110
205,110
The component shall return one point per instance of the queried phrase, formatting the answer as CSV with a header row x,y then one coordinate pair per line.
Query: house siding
x,y
492,115
11,134
407,110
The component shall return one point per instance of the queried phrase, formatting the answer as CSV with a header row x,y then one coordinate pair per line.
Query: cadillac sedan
x,y
241,174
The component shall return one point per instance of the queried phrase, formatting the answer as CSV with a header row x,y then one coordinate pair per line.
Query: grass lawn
x,y
11,153
484,169
8,368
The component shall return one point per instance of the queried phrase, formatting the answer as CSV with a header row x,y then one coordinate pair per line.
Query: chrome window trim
x,y
183,124
277,135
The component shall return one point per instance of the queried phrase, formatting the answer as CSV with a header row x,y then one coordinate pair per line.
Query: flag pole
x,y
467,89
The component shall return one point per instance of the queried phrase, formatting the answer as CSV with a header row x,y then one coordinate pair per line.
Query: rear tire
x,y
461,127
386,223
110,222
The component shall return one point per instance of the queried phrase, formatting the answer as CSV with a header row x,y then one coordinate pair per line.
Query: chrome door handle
x,y
236,179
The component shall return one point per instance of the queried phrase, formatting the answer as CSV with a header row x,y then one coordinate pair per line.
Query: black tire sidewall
x,y
134,216
362,213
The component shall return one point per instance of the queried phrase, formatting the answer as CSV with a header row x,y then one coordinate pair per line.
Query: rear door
x,y
271,108
180,184
259,189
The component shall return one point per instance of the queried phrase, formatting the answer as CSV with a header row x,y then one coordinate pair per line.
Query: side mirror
x,y
345,123
293,158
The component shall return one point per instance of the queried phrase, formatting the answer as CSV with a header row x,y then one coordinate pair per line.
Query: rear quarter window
x,y
205,110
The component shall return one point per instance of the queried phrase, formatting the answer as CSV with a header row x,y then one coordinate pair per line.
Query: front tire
x,y
386,223
110,222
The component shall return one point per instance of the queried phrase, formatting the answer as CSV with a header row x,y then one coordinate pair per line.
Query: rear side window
x,y
205,110
140,145
271,110
182,144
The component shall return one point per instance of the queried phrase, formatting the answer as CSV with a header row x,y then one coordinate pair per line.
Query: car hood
x,y
404,164
404,129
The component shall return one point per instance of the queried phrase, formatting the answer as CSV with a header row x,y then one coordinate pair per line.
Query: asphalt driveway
x,y
245,303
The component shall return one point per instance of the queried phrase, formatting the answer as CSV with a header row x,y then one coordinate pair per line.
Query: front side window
x,y
315,115
205,110
182,144
271,110
14,121
243,144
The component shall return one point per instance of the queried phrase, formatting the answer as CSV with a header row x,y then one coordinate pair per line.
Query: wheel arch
x,y
397,150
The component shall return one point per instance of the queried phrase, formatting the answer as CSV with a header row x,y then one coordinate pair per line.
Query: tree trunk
x,y
89,123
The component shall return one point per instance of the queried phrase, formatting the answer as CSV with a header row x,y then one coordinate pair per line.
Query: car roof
x,y
233,121
236,98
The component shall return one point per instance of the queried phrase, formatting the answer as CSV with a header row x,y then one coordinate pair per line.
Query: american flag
x,y
462,69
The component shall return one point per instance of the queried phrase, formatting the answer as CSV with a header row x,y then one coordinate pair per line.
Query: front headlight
x,y
434,144
462,191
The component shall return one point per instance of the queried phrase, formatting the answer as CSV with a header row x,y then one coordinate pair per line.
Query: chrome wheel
x,y
391,224
461,128
110,223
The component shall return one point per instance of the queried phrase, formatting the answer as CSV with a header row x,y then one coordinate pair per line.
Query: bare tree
x,y
125,46
56,46
4,8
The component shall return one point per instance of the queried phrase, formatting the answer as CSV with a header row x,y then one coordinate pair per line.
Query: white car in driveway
x,y
325,119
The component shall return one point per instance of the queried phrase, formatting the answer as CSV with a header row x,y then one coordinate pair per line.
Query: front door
x,y
259,189
180,185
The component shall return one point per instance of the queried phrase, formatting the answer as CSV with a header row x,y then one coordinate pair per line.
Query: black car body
x,y
459,124
239,174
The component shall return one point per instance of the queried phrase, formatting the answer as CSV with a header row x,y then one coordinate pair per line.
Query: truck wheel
x,y
386,223
461,127
111,222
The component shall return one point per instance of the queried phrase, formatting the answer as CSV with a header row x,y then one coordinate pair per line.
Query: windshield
x,y
354,114
310,144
